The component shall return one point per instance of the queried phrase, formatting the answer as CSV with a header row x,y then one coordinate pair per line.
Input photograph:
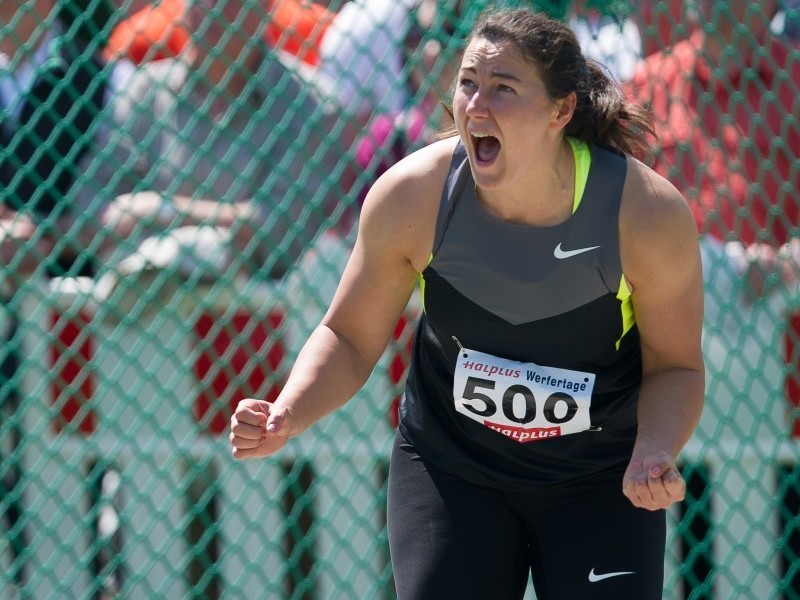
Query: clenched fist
x,y
653,482
259,428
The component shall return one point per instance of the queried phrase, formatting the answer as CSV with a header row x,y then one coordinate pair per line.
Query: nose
x,y
477,106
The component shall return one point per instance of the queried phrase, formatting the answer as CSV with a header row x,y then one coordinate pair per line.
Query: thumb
x,y
663,468
674,480
275,422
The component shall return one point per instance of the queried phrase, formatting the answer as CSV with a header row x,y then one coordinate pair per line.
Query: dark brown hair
x,y
602,112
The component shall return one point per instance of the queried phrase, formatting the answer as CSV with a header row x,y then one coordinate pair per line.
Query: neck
x,y
553,199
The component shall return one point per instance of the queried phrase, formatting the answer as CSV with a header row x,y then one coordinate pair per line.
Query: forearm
x,y
669,408
327,373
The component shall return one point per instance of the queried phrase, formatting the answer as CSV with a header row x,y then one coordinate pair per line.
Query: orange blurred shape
x,y
153,33
297,27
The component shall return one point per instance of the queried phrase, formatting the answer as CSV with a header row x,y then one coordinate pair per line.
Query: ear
x,y
563,110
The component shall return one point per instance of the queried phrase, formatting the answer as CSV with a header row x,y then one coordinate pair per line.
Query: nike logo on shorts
x,y
560,253
594,577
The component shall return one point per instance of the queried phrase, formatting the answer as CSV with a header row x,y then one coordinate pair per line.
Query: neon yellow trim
x,y
422,284
626,306
422,291
583,160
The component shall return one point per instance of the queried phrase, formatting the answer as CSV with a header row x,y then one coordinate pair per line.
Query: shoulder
x,y
655,221
646,183
649,198
402,205
414,182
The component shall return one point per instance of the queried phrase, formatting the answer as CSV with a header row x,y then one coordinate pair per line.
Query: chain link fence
x,y
180,183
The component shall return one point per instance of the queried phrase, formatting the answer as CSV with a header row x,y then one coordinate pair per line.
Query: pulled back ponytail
x,y
604,115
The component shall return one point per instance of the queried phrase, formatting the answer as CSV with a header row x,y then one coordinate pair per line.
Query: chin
x,y
487,177
487,182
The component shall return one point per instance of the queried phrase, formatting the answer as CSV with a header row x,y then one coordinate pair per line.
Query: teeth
x,y
479,134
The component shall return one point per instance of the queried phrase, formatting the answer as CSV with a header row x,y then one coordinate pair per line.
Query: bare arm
x,y
394,240
661,260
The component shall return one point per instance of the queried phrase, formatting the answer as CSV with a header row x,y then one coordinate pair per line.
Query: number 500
x,y
488,406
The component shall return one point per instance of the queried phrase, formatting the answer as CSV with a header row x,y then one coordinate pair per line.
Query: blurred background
x,y
180,185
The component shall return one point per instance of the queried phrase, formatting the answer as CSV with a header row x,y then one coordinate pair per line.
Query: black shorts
x,y
581,541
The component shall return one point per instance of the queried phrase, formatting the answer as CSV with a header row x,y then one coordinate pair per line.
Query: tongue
x,y
487,148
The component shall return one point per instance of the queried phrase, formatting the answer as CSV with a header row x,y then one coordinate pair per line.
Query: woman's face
x,y
503,112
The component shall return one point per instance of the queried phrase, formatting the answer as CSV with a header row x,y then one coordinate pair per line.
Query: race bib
x,y
523,401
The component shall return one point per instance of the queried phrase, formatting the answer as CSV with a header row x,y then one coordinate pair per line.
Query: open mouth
x,y
487,147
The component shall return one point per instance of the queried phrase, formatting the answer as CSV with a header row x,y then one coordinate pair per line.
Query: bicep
x,y
395,229
669,317
374,289
395,238
663,263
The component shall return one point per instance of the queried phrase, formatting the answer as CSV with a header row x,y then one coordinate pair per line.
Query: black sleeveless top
x,y
526,363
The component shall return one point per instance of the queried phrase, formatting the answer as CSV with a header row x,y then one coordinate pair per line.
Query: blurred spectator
x,y
725,104
220,153
361,57
152,32
611,39
157,30
51,94
430,65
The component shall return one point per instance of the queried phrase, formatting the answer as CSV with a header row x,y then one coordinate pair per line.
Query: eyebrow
x,y
496,74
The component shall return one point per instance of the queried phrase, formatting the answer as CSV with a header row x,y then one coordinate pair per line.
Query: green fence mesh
x,y
180,182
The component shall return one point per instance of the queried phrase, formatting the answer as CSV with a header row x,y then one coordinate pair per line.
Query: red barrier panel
x,y
398,367
72,387
238,354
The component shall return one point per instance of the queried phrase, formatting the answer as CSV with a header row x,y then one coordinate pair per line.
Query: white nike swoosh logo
x,y
594,578
559,253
